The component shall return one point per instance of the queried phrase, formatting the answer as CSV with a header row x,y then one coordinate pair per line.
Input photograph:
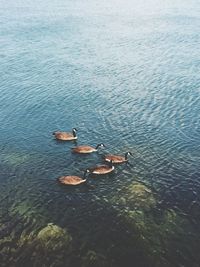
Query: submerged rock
x,y
155,231
136,196
157,238
93,259
50,247
140,196
53,237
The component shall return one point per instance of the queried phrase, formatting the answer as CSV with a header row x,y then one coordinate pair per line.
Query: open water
x,y
125,73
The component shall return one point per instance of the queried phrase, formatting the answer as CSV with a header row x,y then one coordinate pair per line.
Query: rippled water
x,y
123,73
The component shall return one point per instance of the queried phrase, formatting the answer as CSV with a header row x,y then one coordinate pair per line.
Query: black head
x,y
87,171
74,130
100,145
110,163
128,154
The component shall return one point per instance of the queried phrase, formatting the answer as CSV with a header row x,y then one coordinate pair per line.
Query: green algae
x,y
151,236
94,259
27,211
135,196
22,208
154,231
156,240
15,158
53,237
50,246
140,196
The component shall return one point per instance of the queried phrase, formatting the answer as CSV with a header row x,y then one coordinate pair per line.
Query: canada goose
x,y
86,149
73,180
117,159
65,136
102,169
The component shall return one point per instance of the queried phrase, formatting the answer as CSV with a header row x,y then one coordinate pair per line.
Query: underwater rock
x,y
140,196
136,196
155,231
158,236
93,259
53,237
50,247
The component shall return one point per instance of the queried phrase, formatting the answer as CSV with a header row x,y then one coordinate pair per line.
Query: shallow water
x,y
123,73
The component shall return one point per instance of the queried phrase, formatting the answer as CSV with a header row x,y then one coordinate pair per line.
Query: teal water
x,y
123,73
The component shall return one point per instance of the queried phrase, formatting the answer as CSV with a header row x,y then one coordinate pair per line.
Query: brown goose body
x,y
84,149
71,180
102,169
65,136
117,159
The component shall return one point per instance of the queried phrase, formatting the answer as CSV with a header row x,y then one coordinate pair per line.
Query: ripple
x,y
131,82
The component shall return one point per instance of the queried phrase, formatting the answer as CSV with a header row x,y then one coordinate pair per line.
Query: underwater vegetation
x,y
157,230
50,246
54,238
136,196
139,234
132,229
14,159
94,259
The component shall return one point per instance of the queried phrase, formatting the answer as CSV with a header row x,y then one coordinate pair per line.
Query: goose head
x,y
100,145
128,154
87,171
74,130
110,163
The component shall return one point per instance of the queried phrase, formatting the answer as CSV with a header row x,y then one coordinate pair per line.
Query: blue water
x,y
125,73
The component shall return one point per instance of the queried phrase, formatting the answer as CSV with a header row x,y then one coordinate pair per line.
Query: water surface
x,y
123,73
